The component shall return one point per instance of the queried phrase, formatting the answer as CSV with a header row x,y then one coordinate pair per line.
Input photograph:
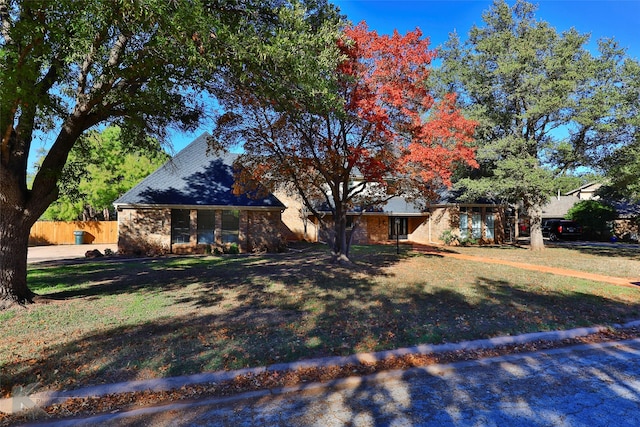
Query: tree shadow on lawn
x,y
212,273
261,332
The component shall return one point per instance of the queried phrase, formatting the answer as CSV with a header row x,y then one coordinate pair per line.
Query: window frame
x,y
180,232
230,234
206,235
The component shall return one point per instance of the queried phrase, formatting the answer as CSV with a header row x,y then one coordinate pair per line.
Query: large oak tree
x,y
355,125
68,66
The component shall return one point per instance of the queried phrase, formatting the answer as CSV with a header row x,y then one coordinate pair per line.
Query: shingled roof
x,y
194,177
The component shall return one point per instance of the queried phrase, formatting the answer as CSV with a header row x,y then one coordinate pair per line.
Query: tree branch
x,y
5,18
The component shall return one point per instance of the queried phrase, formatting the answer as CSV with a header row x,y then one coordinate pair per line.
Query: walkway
x,y
634,283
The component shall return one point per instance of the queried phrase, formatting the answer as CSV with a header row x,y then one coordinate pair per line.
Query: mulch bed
x,y
274,379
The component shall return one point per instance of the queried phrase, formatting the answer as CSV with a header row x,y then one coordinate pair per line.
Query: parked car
x,y
557,229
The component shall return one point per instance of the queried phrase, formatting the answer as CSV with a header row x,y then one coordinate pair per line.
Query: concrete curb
x,y
440,370
165,384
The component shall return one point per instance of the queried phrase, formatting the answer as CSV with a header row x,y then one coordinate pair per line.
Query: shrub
x,y
595,217
449,237
467,241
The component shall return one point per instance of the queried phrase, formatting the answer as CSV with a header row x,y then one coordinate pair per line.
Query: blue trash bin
x,y
79,235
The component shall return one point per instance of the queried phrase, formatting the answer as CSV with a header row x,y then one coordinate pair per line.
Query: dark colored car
x,y
557,229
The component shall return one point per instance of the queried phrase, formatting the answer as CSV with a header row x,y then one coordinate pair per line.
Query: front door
x,y
398,226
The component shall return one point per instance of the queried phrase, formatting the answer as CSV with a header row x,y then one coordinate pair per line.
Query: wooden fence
x,y
62,233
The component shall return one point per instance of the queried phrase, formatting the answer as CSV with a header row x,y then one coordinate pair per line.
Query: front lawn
x,y
621,261
110,321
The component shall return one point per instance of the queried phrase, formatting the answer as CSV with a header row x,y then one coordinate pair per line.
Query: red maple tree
x,y
382,134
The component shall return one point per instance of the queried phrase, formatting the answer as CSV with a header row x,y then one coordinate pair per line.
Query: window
x,y
230,229
399,225
489,221
476,224
464,223
180,225
206,226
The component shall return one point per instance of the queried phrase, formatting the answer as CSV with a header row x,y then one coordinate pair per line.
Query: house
x,y
586,192
625,226
188,206
401,219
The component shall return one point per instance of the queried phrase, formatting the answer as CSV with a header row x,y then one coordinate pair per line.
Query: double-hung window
x,y
230,230
206,226
180,225
464,223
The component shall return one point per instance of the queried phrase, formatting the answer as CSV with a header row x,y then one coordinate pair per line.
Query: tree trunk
x,y
14,242
339,250
535,224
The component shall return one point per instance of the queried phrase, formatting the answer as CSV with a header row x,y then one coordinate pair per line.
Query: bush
x,y
595,217
467,241
449,237
232,249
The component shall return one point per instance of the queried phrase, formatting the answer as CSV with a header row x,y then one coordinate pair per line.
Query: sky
x,y
619,19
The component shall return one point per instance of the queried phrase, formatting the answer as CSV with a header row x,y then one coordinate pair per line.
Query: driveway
x,y
588,385
63,252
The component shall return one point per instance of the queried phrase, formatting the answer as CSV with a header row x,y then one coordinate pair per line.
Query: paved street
x,y
590,386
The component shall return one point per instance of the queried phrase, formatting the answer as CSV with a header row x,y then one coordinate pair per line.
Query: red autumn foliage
x,y
372,119
385,82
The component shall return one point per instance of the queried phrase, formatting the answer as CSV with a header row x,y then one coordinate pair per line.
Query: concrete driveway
x,y
64,252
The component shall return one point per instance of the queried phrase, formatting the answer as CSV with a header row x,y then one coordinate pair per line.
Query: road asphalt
x,y
580,386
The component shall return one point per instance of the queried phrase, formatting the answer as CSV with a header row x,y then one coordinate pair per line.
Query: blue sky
x,y
619,19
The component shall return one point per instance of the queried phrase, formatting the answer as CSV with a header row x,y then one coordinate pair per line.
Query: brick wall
x,y
144,231
419,230
148,232
448,218
378,227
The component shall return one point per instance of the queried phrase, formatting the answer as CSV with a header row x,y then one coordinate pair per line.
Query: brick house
x,y
483,221
188,206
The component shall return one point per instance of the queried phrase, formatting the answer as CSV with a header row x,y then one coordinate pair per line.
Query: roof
x,y
625,209
588,188
394,206
399,205
194,177
558,207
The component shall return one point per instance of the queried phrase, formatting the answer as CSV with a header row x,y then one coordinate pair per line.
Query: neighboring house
x,y
188,206
558,206
626,226
402,219
586,192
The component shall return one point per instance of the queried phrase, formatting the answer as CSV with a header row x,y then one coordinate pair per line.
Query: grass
x,y
116,321
610,261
